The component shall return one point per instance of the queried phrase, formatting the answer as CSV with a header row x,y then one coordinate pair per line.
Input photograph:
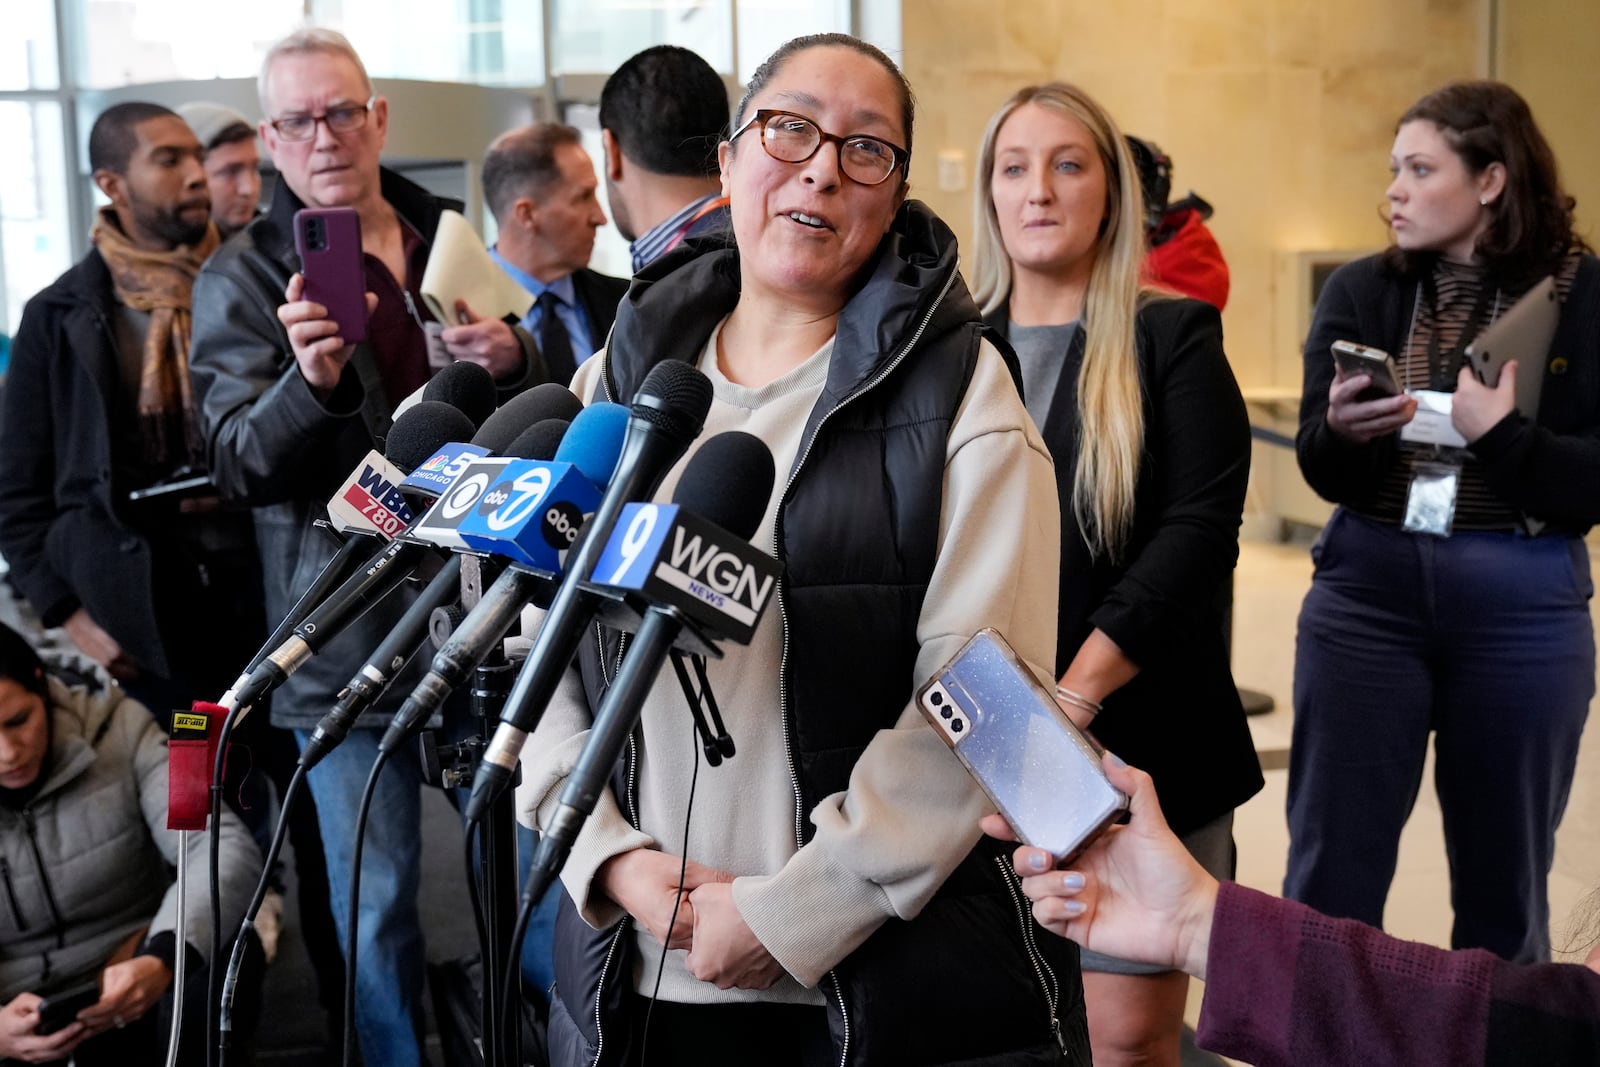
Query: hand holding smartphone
x,y
328,241
61,1010
1041,771
1354,359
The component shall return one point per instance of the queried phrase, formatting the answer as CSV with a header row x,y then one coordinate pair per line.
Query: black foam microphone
x,y
373,679
466,387
681,555
369,507
422,428
547,401
739,506
561,496
668,413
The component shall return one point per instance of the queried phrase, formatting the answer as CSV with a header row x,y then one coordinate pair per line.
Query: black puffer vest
x,y
857,533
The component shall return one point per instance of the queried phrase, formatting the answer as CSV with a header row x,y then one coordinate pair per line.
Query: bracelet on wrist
x,y
1077,700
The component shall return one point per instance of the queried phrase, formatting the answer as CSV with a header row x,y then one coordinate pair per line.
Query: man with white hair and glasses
x,y
290,408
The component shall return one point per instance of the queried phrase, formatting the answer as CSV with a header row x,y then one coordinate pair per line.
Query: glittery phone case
x,y
1040,770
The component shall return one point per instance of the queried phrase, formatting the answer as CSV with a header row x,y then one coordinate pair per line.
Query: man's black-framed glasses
x,y
339,119
793,138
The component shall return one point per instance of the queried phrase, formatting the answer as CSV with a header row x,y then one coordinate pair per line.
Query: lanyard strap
x,y
1441,364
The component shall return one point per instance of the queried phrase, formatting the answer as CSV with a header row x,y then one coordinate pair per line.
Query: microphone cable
x,y
683,873
216,1037
353,924
222,1003
349,556
343,563
474,894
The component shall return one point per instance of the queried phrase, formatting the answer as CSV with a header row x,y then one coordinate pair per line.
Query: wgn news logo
x,y
660,549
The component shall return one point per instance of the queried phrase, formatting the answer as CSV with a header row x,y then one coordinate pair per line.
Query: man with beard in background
x,y
98,411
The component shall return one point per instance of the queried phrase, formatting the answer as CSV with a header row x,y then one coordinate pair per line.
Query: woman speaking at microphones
x,y
823,897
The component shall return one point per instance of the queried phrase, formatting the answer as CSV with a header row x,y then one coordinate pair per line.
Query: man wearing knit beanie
x,y
232,162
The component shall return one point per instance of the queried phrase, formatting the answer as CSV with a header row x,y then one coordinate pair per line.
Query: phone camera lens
x,y
936,699
944,713
957,726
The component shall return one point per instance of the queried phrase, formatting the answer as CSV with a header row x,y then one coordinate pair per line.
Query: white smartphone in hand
x,y
1041,771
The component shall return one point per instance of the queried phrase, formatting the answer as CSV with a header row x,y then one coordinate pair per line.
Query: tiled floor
x,y
1270,582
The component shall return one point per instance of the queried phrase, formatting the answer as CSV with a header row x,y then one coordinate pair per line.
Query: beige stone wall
x,y
1280,112
1550,50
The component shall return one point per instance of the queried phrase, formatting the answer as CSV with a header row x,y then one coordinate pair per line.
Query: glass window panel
x,y
126,42
597,35
34,242
766,24
610,254
486,42
28,46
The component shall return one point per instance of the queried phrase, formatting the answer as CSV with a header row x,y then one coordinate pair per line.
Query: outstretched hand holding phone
x,y
1135,893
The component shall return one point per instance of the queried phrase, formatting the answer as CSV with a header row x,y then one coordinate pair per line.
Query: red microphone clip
x,y
191,754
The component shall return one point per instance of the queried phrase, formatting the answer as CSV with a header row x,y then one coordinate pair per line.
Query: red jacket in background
x,y
1190,261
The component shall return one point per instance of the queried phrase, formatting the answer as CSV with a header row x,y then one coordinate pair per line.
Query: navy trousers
x,y
1484,641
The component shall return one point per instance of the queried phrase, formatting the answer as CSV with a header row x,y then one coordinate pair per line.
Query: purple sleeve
x,y
1287,985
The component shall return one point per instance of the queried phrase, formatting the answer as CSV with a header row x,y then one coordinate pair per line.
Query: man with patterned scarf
x,y
162,590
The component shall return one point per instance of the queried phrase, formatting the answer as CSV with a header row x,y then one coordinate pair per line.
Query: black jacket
x,y
1166,604
66,528
849,599
60,525
1548,469
598,294
272,443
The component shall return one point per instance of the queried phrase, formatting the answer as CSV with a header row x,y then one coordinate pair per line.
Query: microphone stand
x,y
494,881
502,1011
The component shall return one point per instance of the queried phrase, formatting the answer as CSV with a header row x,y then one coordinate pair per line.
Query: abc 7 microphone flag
x,y
528,511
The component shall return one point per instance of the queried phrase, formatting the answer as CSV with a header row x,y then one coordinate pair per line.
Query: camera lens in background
x,y
957,726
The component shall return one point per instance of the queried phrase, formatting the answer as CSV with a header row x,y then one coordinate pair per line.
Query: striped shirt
x,y
665,234
1459,291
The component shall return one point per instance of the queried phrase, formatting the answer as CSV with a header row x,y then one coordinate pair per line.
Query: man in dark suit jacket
x,y
540,184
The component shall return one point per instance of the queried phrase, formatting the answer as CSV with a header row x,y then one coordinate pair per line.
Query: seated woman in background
x,y
1287,986
84,861
1451,592
1132,392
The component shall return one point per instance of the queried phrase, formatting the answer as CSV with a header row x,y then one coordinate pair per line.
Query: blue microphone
x,y
593,444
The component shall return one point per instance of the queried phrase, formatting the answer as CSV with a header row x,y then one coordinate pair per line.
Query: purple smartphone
x,y
329,242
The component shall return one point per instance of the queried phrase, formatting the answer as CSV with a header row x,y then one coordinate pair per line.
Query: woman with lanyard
x,y
1451,585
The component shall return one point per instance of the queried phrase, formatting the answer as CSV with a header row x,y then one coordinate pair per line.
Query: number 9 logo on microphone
x,y
627,556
